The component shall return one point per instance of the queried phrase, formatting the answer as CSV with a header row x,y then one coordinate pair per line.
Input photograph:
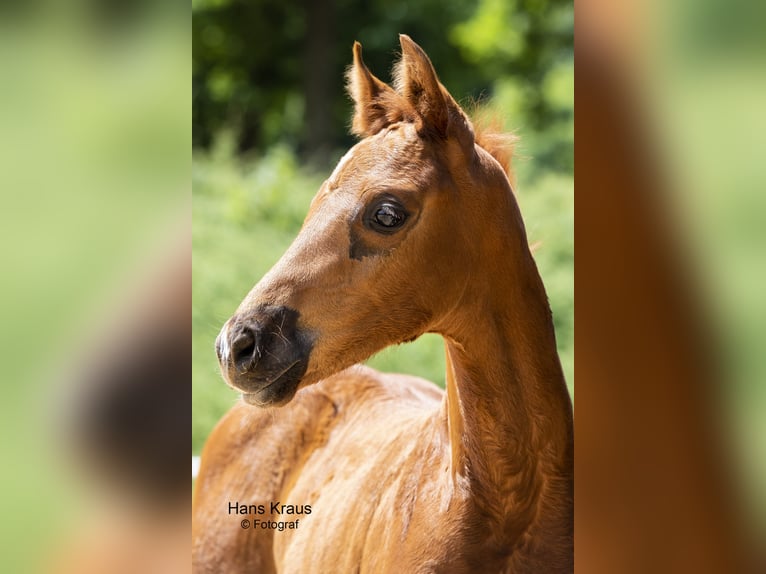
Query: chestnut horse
x,y
417,230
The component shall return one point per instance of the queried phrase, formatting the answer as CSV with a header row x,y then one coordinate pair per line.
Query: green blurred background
x,y
94,179
270,119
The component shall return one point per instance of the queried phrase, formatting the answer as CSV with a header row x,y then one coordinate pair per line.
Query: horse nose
x,y
258,340
241,345
264,353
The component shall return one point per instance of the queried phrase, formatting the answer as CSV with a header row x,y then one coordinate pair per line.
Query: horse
x,y
326,465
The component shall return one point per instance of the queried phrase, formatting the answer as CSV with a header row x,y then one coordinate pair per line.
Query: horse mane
x,y
492,138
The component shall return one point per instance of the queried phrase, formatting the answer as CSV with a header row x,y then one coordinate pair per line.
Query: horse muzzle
x,y
264,354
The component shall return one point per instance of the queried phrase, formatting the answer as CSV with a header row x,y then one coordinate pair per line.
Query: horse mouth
x,y
275,390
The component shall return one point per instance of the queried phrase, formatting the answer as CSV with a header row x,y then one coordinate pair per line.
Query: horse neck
x,y
507,407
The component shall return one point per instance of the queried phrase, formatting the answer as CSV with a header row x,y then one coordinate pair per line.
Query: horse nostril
x,y
243,347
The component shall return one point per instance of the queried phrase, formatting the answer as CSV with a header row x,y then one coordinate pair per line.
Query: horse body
x,y
345,447
416,231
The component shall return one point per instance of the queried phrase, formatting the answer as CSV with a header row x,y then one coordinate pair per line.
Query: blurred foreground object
x,y
128,430
129,402
94,169
661,486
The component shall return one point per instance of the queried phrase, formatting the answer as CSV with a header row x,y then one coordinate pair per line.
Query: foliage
x,y
270,70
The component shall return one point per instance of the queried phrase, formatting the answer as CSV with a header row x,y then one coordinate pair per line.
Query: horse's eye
x,y
388,216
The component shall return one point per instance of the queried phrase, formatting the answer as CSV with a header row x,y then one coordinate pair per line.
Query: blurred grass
x,y
246,213
719,206
93,177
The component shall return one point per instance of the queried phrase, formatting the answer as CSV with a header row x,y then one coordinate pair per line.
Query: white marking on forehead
x,y
343,161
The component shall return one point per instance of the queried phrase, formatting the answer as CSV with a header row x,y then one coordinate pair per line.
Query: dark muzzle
x,y
264,354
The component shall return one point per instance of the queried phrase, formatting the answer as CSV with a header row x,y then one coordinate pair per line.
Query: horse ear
x,y
416,80
376,104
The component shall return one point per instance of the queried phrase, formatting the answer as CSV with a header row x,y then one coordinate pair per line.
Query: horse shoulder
x,y
255,456
270,444
250,458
